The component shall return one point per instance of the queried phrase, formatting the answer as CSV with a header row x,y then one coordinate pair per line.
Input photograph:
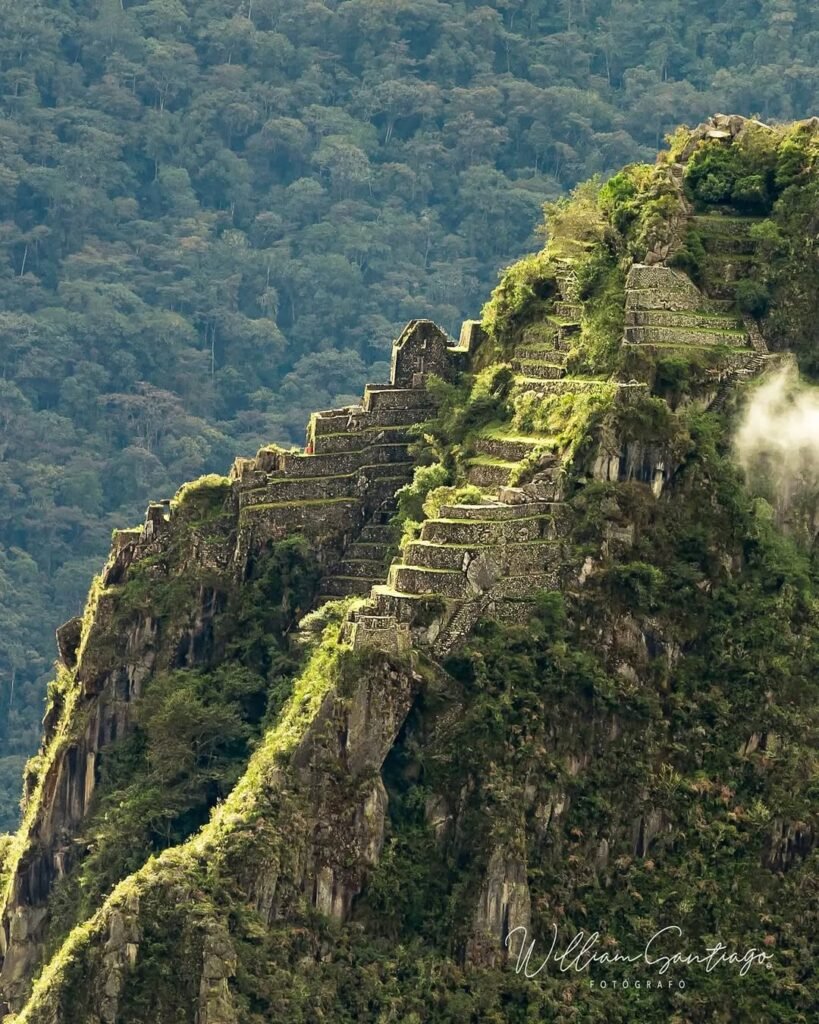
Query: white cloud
x,y
777,442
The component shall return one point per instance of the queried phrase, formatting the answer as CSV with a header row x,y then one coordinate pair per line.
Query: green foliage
x,y
773,173
640,205
214,220
411,497
203,496
631,699
603,288
574,224
523,289
5,850
690,256
649,419
621,198
681,375
567,419
752,297
194,732
462,409
635,586
466,495
739,174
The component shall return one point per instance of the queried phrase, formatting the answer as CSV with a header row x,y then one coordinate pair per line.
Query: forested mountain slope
x,y
214,217
561,672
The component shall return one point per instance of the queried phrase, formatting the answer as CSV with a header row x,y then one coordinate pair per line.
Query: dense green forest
x,y
215,216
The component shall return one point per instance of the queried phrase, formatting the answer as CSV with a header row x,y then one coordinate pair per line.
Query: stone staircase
x,y
729,248
491,558
666,311
467,560
366,560
542,352
496,457
354,460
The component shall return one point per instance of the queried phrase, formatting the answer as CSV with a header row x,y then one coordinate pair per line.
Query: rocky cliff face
x,y
578,692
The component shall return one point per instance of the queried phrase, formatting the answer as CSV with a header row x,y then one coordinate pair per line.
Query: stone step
x,y
570,311
498,511
489,474
373,551
364,568
377,533
384,396
333,463
683,336
539,335
507,451
381,488
548,485
567,283
479,532
282,490
565,328
345,586
688,319
370,620
362,440
515,558
523,587
638,298
357,419
327,421
389,470
541,370
542,354
730,357
425,554
386,600
409,579
382,632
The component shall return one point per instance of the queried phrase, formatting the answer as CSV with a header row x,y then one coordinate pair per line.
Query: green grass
x,y
385,588
566,382
364,430
538,346
300,502
560,321
700,330
426,568
679,346
505,432
488,460
493,522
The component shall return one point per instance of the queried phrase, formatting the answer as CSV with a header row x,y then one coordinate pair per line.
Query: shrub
x,y
752,297
751,192
690,257
468,495
637,584
411,497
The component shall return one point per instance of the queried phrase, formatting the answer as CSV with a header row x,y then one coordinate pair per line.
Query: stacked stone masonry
x,y
468,560
665,310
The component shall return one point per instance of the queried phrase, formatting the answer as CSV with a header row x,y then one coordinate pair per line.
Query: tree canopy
x,y
215,216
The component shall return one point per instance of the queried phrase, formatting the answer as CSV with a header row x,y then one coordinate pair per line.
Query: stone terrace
x,y
468,561
354,460
666,310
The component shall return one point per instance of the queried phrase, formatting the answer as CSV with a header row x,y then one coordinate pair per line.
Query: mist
x,y
777,442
